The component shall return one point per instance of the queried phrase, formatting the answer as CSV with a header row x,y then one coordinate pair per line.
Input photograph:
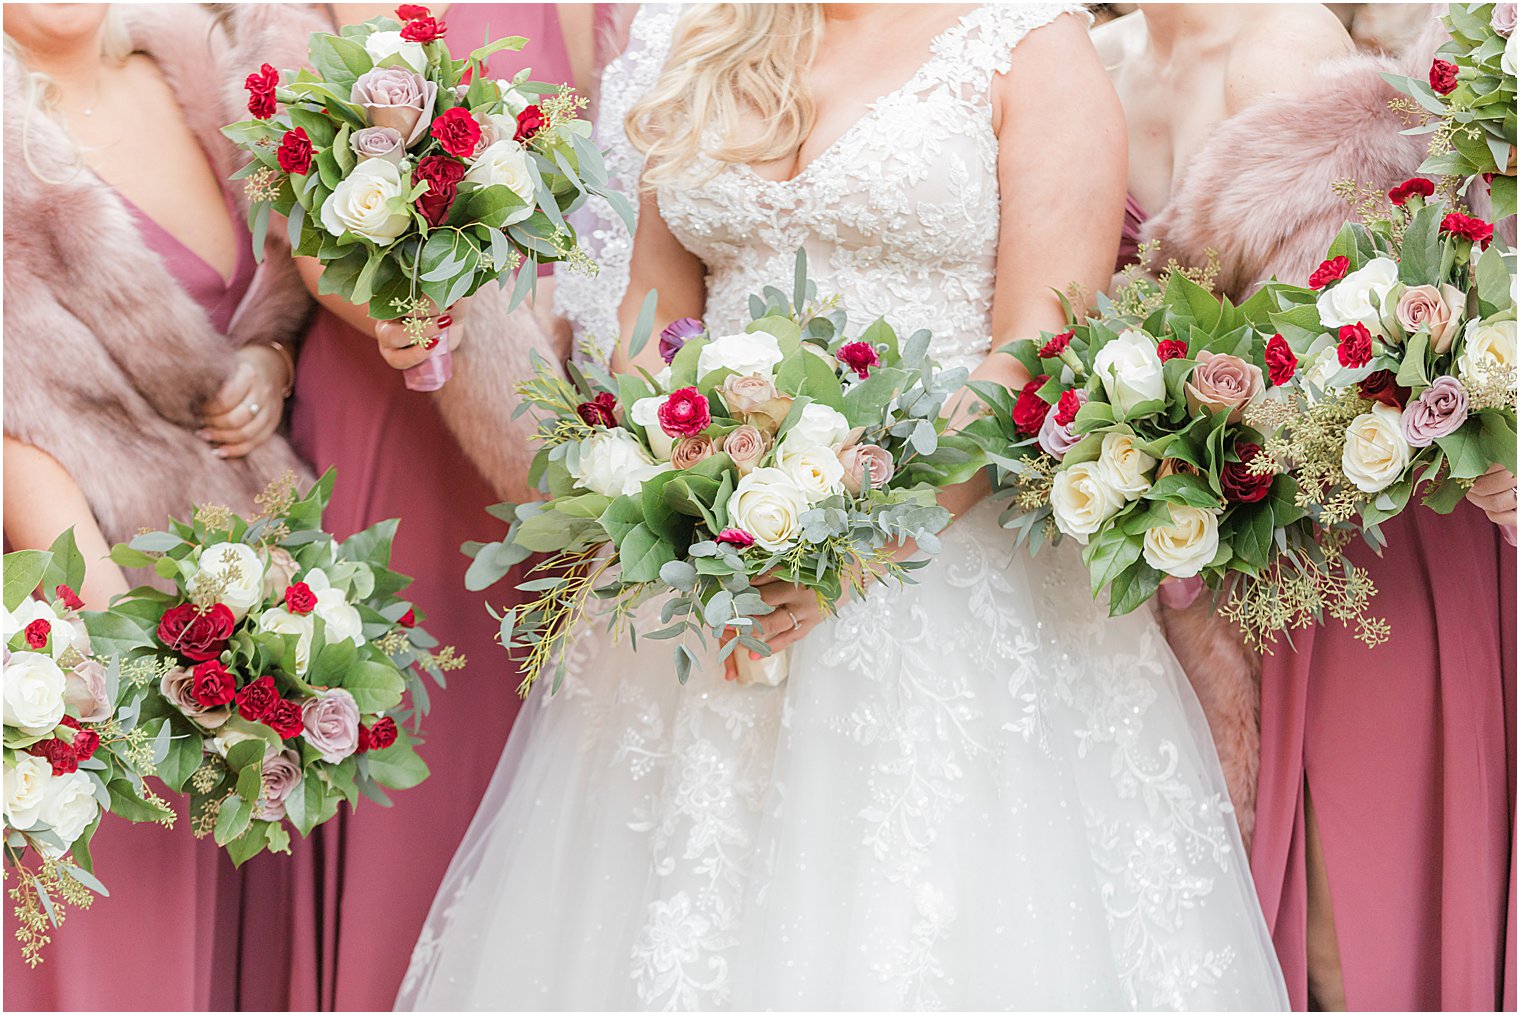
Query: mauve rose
x,y
1175,467
331,721
281,775
84,691
1222,381
279,569
861,461
746,446
1503,19
176,687
1439,310
378,143
1439,411
397,98
1057,438
689,451
743,393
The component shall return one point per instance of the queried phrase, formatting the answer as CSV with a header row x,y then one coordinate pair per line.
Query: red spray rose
x,y
411,12
382,733
1468,228
424,29
859,357
37,634
1170,348
442,175
68,597
211,685
529,122
1355,349
1240,486
261,91
295,152
284,717
600,411
195,635
737,538
1329,271
1030,409
458,133
58,754
255,700
685,413
1281,363
85,744
1066,408
1383,386
1412,187
409,618
1056,345
1443,76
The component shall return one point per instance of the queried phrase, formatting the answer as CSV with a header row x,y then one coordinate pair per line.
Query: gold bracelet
x,y
290,367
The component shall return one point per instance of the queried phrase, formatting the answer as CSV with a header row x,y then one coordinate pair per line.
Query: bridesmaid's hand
x,y
246,411
403,346
1494,492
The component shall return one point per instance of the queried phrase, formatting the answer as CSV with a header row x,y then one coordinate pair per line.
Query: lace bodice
x,y
899,216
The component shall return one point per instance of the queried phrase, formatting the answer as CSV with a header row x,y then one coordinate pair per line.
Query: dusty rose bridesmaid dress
x,y
333,926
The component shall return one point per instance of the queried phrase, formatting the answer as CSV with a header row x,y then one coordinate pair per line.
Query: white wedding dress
x,y
977,792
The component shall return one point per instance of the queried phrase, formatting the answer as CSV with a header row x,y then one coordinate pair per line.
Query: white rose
x,y
612,463
1124,467
1186,546
1130,370
1319,366
1081,501
383,44
359,204
1507,61
815,469
505,164
514,100
69,805
62,634
646,413
769,506
746,353
282,621
241,573
25,789
34,687
340,621
1486,346
818,426
1358,298
1376,454
230,738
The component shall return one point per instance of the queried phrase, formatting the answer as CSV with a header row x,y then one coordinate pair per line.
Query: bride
x,y
974,792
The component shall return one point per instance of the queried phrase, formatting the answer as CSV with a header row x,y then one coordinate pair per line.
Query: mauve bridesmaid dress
x,y
332,927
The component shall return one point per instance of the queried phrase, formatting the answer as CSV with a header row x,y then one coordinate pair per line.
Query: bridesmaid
x,y
351,905
1387,775
146,361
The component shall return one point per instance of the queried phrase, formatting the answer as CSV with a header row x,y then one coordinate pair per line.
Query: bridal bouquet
x,y
1471,90
788,450
73,751
278,665
413,177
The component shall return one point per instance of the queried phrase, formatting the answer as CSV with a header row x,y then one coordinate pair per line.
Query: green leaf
x,y
1420,253
376,686
643,327
1412,369
1252,542
1181,488
1497,437
233,819
339,61
66,567
1133,587
478,57
1464,453
622,516
398,766
642,553
1109,555
23,571
1493,282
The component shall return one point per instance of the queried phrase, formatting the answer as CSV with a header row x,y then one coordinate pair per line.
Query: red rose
x,y
1240,486
1329,271
1383,386
211,684
382,733
255,700
409,618
458,133
295,152
423,29
1170,348
737,538
411,12
1281,363
261,91
59,754
1415,185
195,635
685,413
361,744
859,357
1066,408
442,175
299,598
85,744
1443,76
70,600
529,122
1056,345
1468,228
284,717
70,722
37,634
1030,409
600,411
1355,349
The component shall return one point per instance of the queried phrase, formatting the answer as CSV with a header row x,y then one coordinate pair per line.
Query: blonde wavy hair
x,y
729,62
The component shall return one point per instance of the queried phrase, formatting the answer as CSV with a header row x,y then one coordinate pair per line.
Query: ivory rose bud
x,y
769,506
1223,382
280,776
177,685
819,426
86,693
359,204
282,621
746,446
378,143
1186,545
744,392
866,466
1123,467
505,164
331,722
646,413
1440,411
1130,371
382,45
1376,454
25,788
815,469
1081,501
691,451
69,805
1358,298
236,571
33,693
394,97
1436,310
612,463
1488,347
755,352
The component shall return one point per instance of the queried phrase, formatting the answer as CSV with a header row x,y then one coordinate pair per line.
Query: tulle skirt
x,y
974,792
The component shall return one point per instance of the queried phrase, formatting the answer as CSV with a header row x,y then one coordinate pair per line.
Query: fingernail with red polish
x,y
445,320
432,343
754,655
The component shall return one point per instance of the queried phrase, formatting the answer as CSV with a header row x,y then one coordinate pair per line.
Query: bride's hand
x,y
1494,493
402,347
795,613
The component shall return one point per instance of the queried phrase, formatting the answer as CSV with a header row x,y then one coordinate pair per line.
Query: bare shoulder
x,y
1060,47
1056,76
1279,50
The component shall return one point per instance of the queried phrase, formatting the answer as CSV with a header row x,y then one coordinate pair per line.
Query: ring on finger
x,y
793,617
253,409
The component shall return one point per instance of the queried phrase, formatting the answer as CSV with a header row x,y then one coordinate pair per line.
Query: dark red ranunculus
x,y
1383,386
685,413
408,619
442,175
37,633
295,152
529,122
1056,345
1170,348
1468,228
255,700
600,411
1067,406
85,744
456,130
67,595
261,88
423,29
1412,187
411,12
1239,484
1281,363
211,684
1029,409
299,598
195,635
1355,349
1443,76
859,357
737,538
284,717
382,733
676,334
58,754
1330,271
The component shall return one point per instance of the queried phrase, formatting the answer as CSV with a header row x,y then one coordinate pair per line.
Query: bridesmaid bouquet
x,y
413,177
787,450
277,666
1471,91
73,750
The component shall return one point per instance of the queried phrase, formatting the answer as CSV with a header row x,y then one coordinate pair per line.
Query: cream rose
x,y
744,392
235,571
646,413
818,426
1124,467
612,463
815,469
1487,347
281,621
382,45
1376,454
755,352
1436,310
1130,371
279,572
1184,547
1507,61
1358,298
69,805
85,691
25,788
769,506
505,164
340,620
33,698
1081,501
359,204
